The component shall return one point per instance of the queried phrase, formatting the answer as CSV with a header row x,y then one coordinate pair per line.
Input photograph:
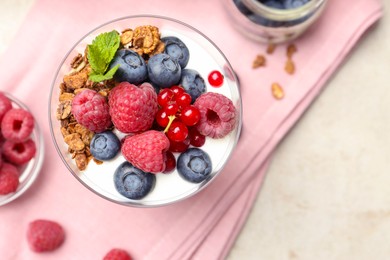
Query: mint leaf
x,y
101,77
101,52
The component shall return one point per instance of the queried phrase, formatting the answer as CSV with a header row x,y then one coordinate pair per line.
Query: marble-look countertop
x,y
327,192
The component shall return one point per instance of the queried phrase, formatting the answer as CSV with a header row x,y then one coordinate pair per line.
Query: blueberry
x,y
163,70
193,83
291,4
104,146
175,48
273,4
194,165
132,67
242,7
132,182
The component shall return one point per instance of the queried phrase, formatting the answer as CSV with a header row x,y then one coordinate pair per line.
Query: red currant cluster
x,y
179,118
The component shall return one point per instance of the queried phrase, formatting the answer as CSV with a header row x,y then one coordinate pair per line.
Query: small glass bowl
x,y
30,171
270,25
205,56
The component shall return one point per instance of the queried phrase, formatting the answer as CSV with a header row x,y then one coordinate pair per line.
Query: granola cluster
x,y
145,40
289,67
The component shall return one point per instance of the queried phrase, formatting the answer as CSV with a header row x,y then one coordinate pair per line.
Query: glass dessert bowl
x,y
29,171
142,173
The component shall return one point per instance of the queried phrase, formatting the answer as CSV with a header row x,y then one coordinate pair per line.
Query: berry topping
x,y
177,90
90,109
146,151
179,147
5,105
8,167
9,179
132,108
17,125
192,83
215,78
273,4
19,153
177,132
183,100
196,138
45,235
175,48
291,4
218,115
132,182
117,254
104,146
165,96
162,118
132,67
194,165
163,70
170,162
190,115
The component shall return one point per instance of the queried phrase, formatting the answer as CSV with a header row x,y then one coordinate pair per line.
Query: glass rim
x,y
141,203
282,14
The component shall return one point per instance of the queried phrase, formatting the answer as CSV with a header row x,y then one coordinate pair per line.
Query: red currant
x,y
215,78
190,115
177,90
165,96
162,118
183,100
177,132
196,138
170,162
179,147
171,109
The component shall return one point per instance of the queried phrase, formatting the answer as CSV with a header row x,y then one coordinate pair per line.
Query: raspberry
x,y
17,125
218,115
8,167
146,151
133,108
117,254
5,105
90,109
9,179
45,235
19,153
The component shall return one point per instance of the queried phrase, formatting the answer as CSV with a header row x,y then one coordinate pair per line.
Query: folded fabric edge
x,y
302,107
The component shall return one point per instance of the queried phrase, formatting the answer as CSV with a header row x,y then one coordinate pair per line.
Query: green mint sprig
x,y
100,54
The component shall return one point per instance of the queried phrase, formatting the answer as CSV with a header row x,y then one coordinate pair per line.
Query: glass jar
x,y
271,25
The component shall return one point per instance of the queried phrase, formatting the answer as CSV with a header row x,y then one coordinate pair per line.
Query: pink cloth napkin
x,y
206,225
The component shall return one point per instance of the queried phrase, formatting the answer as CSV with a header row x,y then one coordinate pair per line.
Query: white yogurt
x,y
204,58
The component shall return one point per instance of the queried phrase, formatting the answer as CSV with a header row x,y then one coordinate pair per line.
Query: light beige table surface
x,y
327,192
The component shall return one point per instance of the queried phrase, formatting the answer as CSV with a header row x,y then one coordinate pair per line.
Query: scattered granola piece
x,y
258,62
291,49
290,66
270,48
277,91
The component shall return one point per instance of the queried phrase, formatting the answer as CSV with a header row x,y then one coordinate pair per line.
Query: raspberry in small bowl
x,y
132,116
22,148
